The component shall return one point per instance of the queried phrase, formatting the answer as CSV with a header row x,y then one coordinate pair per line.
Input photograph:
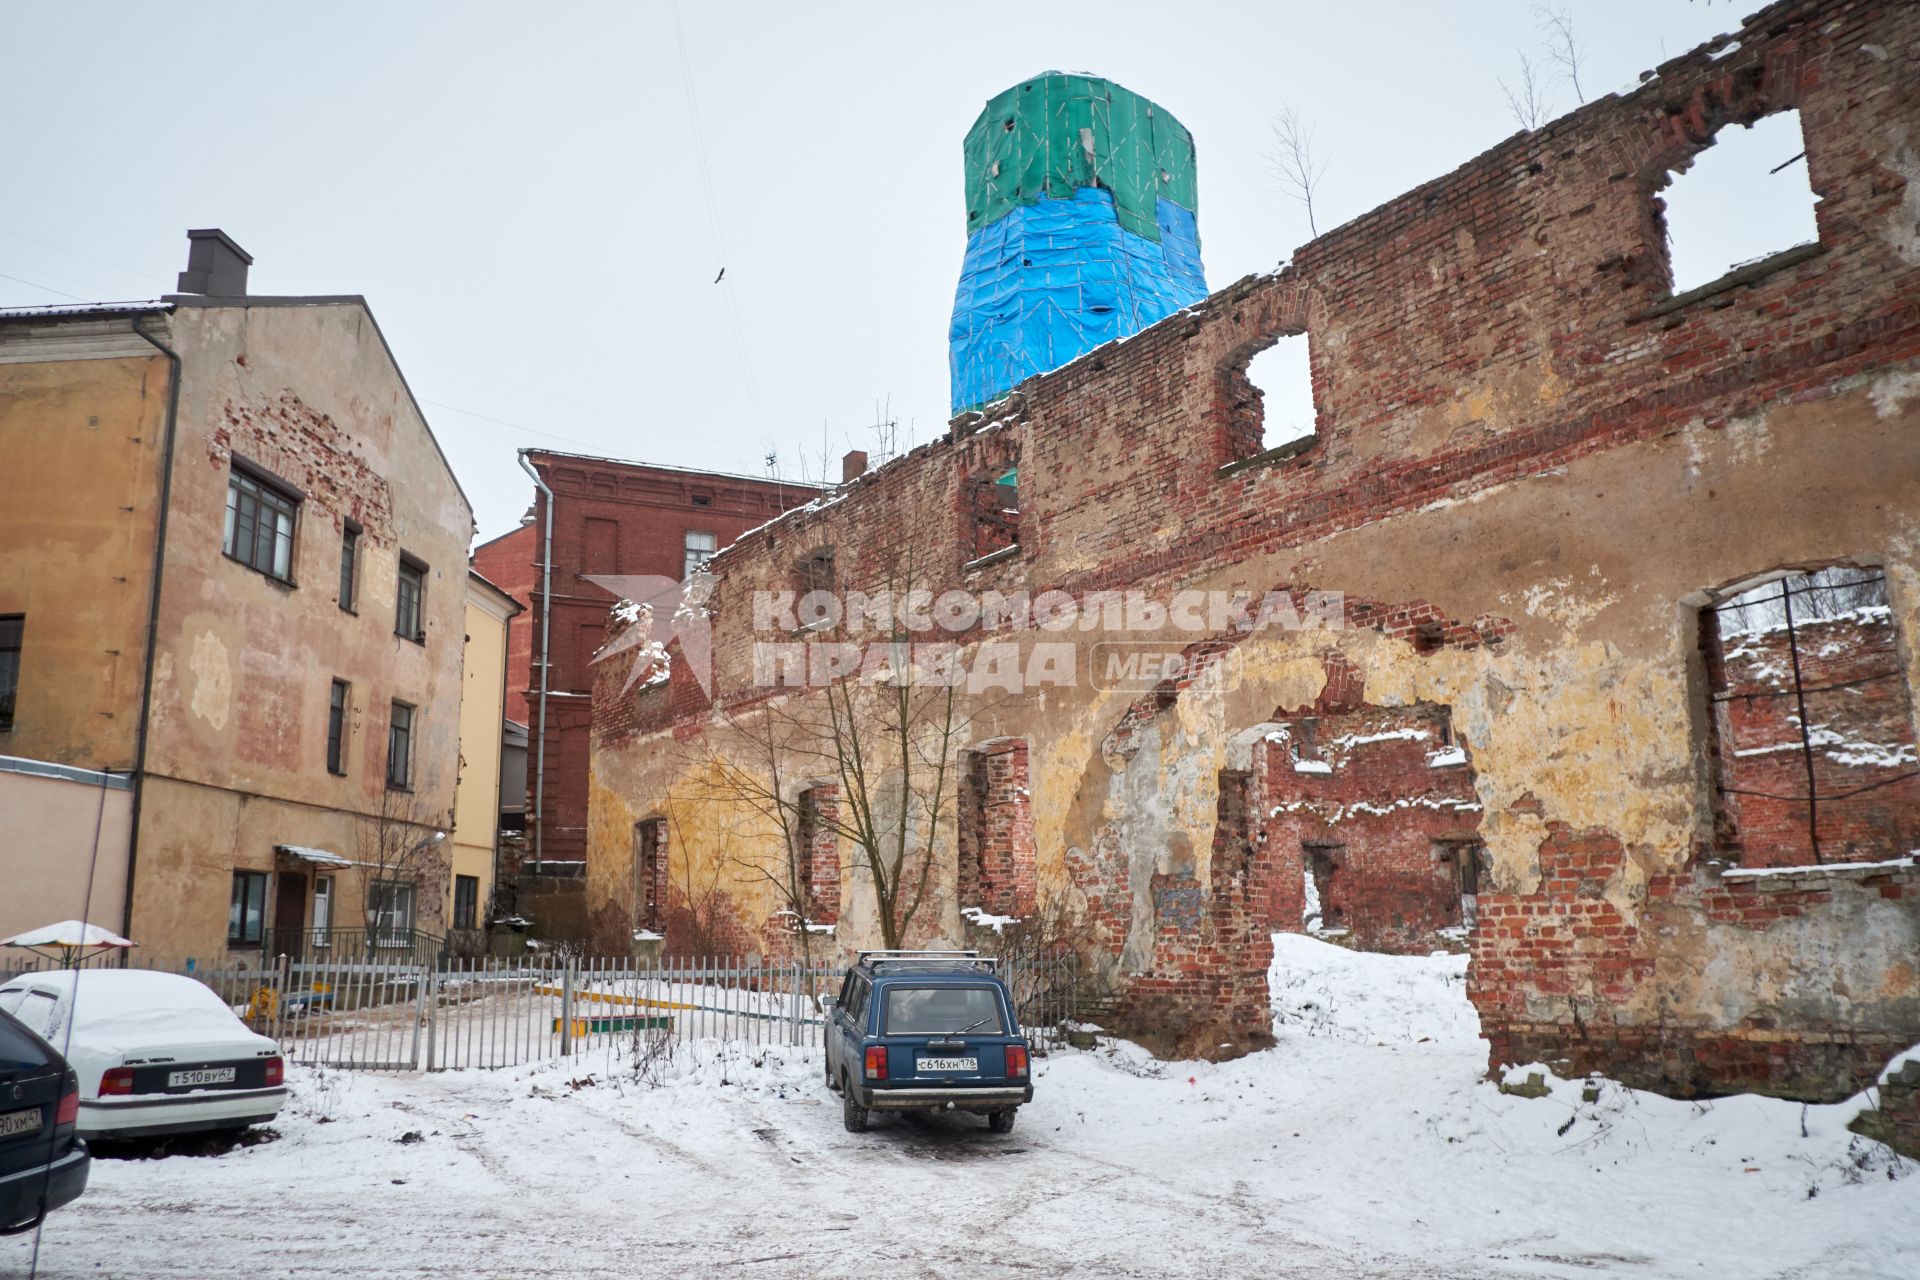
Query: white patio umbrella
x,y
70,942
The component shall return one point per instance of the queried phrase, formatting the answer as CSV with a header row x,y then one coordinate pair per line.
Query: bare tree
x,y
879,719
1292,161
403,868
1563,47
744,774
1527,99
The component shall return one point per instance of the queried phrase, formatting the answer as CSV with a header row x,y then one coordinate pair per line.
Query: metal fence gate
x,y
376,1015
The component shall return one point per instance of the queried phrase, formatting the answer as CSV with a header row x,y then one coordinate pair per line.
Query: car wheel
x,y
852,1114
1001,1121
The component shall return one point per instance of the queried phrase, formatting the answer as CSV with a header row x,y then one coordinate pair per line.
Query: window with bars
x,y
259,528
409,618
400,747
1811,721
13,628
337,727
349,565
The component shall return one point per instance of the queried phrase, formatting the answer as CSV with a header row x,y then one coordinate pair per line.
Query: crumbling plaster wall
x,y
245,664
1531,466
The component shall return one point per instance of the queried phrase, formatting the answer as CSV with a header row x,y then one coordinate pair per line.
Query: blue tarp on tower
x,y
1055,265
1053,280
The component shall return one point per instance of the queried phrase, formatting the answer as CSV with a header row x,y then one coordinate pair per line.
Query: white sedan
x,y
156,1053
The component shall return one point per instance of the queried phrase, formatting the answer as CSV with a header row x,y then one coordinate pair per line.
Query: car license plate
x,y
205,1075
949,1064
15,1123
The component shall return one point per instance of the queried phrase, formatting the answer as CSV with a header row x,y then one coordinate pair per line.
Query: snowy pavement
x,y
1365,1145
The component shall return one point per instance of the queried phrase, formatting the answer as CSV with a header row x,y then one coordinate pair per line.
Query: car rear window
x,y
933,1011
39,1010
20,1053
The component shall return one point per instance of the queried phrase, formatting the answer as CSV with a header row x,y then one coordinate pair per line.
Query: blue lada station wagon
x,y
926,1031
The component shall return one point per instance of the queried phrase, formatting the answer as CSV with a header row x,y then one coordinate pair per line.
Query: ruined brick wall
x,y
820,841
1865,776
1377,807
1533,467
995,836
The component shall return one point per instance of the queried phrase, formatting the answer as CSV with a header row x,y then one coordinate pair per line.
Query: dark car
x,y
43,1163
926,1031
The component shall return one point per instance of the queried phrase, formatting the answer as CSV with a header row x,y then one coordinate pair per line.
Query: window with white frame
x,y
699,549
390,910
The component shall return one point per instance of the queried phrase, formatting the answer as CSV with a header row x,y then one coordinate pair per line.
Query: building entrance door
x,y
290,914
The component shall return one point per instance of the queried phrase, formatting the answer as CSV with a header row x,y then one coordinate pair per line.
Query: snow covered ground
x,y
1365,1145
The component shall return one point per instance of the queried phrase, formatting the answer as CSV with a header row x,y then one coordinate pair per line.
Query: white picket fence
x,y
493,1013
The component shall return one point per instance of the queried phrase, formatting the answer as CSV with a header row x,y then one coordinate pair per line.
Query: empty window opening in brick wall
x,y
993,497
1810,725
1282,375
650,874
1326,911
816,838
996,853
814,571
1467,858
1745,198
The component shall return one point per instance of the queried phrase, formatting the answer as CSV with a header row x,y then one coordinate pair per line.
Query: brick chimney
x,y
216,266
853,465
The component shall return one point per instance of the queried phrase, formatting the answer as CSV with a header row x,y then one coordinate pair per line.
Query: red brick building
x,y
609,517
508,562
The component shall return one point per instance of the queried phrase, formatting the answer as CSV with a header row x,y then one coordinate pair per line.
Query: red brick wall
x,y
1567,943
1865,782
510,562
996,831
611,517
820,843
1387,803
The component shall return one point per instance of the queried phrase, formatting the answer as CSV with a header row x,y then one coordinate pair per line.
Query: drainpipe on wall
x,y
153,622
546,662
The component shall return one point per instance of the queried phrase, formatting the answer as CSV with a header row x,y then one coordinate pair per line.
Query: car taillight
x,y
1016,1060
117,1081
876,1062
276,1070
68,1112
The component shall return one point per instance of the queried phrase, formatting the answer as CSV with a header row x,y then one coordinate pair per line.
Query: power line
x,y
48,244
45,288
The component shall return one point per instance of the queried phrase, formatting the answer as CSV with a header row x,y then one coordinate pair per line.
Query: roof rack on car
x,y
935,958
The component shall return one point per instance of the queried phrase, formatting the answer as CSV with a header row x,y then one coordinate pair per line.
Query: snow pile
x,y
1324,990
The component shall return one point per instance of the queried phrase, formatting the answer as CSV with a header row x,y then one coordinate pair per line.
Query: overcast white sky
x,y
517,189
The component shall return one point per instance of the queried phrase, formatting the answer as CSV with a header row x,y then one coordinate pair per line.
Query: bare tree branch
x,y
1527,99
401,844
1292,162
1563,47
